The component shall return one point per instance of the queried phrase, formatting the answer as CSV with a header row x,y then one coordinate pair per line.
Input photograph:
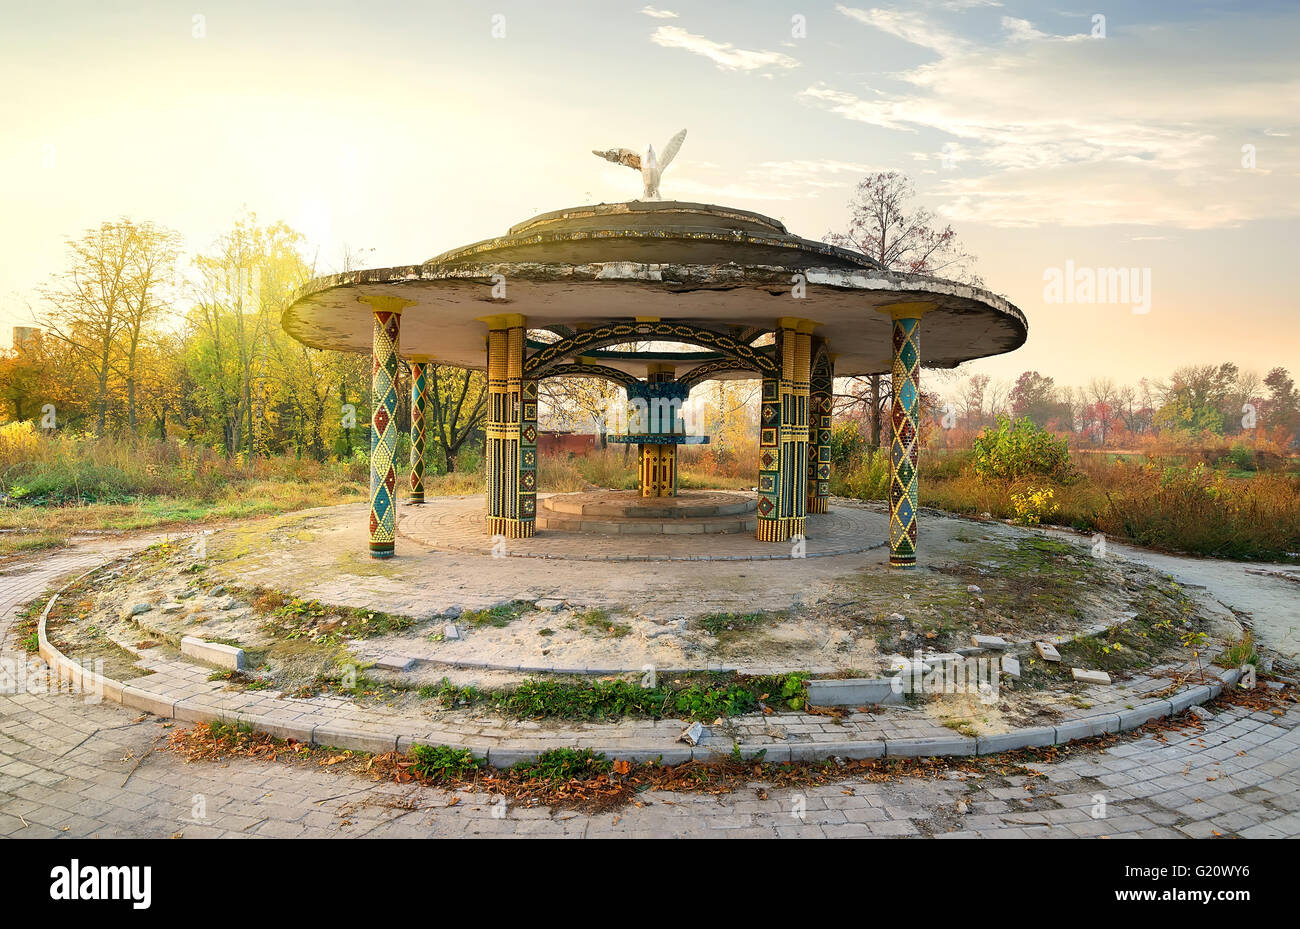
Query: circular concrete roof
x,y
717,268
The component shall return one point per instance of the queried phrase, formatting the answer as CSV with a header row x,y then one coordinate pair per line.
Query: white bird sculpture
x,y
651,168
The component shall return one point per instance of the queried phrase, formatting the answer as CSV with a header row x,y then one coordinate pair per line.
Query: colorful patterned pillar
x,y
511,432
658,470
783,436
659,459
383,422
820,401
419,398
903,483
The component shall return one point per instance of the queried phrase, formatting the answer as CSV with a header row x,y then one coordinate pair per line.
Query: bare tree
x,y
151,267
88,302
457,406
884,225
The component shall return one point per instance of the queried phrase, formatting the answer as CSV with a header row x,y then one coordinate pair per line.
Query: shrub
x,y
847,446
1019,449
869,480
442,762
1240,458
1033,504
562,764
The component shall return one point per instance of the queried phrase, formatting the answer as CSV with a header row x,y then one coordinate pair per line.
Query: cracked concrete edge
x,y
342,735
483,549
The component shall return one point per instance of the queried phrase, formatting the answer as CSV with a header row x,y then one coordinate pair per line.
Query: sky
x,y
1161,138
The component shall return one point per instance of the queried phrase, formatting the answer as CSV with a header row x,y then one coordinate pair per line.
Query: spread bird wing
x,y
620,156
670,150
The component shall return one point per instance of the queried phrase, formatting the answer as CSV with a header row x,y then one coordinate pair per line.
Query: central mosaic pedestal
x,y
627,512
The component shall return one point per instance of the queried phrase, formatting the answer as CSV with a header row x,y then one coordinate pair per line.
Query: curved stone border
x,y
337,734
470,664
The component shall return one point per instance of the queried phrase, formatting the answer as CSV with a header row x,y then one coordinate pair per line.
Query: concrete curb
x,y
343,735
471,664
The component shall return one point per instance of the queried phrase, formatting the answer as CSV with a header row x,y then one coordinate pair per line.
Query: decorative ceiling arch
x,y
578,369
537,364
701,373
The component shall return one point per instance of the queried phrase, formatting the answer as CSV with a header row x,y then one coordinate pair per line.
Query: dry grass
x,y
1160,504
52,488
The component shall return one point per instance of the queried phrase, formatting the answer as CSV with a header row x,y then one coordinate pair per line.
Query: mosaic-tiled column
x,y
903,495
511,432
659,459
783,436
658,470
820,401
419,398
383,423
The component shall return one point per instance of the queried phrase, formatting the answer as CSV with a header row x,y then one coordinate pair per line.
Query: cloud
x,y
880,112
798,179
1020,30
1144,127
811,173
725,55
910,27
1112,193
658,14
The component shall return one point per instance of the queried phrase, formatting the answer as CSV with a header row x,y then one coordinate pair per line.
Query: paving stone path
x,y
72,769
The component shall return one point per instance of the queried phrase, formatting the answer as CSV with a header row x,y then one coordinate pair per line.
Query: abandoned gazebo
x,y
657,297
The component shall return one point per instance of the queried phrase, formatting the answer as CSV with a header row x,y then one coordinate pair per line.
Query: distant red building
x,y
571,443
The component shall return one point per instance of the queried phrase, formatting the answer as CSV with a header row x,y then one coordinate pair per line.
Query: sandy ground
x,y
846,613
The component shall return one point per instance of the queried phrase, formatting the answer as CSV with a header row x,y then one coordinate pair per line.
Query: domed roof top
x,y
729,271
657,232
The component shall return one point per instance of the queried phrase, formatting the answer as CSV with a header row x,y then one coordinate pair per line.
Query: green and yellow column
x,y
383,422
783,435
820,401
904,475
419,400
511,429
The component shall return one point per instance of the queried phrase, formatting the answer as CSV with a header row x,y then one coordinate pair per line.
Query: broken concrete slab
x,y
213,653
855,691
1011,667
693,734
941,659
1085,676
995,642
1047,651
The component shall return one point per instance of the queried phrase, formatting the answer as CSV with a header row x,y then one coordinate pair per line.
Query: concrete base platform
x,y
626,512
458,524
629,504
